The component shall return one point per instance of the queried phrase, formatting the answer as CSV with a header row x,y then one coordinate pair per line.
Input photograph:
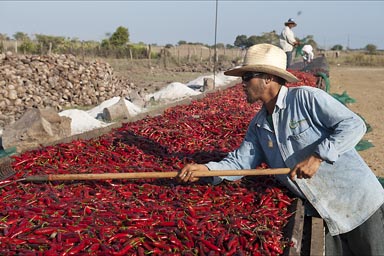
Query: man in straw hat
x,y
288,40
310,132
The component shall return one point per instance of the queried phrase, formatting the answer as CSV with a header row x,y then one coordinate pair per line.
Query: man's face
x,y
253,85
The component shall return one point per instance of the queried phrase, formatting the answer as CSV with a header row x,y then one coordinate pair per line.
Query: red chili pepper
x,y
38,240
45,231
93,248
119,236
124,251
211,246
77,249
136,241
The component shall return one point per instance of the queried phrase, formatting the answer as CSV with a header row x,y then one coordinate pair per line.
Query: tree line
x,y
118,45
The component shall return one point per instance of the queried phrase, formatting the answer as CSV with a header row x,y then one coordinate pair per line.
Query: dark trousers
x,y
289,59
366,239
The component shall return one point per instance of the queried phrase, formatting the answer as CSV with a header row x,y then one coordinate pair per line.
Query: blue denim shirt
x,y
344,190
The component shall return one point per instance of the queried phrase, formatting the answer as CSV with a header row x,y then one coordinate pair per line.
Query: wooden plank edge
x,y
294,229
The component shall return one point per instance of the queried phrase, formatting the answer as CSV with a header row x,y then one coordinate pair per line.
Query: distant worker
x,y
288,40
307,54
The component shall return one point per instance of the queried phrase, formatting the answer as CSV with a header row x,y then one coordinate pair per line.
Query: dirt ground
x,y
366,86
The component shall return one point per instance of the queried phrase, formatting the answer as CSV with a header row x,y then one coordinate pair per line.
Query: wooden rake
x,y
7,172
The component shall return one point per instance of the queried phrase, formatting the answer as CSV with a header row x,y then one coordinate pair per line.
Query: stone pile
x,y
55,81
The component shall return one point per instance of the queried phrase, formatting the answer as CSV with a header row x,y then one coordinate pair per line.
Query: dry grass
x,y
356,58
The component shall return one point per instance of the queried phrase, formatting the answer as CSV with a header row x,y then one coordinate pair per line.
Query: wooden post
x,y
209,56
165,57
149,54
82,50
50,48
16,46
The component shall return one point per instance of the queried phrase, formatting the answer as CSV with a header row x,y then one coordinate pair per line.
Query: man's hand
x,y
306,169
186,174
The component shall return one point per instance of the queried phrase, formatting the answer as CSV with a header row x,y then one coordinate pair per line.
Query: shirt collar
x,y
261,120
281,98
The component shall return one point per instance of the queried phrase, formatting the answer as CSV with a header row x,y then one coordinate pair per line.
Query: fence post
x,y
50,49
149,55
82,50
209,57
163,54
178,56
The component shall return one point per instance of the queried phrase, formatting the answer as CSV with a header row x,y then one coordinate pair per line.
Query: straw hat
x,y
290,21
265,58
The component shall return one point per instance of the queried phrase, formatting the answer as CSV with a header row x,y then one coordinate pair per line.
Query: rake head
x,y
6,170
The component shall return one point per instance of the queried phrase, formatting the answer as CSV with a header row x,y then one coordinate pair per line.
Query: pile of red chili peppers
x,y
152,216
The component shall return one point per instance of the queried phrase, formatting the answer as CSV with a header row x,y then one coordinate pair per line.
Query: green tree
x,y
27,46
105,44
252,40
181,42
20,36
337,47
45,41
120,37
371,48
270,38
241,41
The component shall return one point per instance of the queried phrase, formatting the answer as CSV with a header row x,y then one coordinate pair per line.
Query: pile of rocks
x,y
55,81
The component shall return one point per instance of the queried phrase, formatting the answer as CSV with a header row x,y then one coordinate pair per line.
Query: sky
x,y
352,24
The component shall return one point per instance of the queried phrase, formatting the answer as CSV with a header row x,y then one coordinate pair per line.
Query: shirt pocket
x,y
302,139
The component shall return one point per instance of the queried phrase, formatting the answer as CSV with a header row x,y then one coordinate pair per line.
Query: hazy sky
x,y
352,24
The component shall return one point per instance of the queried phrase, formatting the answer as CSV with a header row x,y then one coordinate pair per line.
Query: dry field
x,y
366,86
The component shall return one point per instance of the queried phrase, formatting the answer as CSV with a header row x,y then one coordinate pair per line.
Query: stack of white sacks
x,y
83,121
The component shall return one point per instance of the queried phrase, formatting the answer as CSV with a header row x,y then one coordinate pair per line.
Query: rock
x,y
209,84
117,111
137,99
51,80
35,126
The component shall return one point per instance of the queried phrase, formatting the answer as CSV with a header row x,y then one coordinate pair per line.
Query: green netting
x,y
381,179
7,152
326,79
363,145
343,98
299,48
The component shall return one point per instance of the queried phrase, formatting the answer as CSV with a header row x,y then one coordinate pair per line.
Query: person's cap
x,y
264,58
290,21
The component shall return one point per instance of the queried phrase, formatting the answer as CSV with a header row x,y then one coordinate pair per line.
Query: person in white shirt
x,y
307,54
288,40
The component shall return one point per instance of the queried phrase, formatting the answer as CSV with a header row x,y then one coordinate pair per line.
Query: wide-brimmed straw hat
x,y
290,21
264,58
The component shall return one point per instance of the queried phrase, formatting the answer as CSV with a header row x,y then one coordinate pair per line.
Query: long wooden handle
x,y
154,175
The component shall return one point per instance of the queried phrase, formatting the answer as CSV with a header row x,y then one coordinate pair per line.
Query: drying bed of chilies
x,y
151,216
